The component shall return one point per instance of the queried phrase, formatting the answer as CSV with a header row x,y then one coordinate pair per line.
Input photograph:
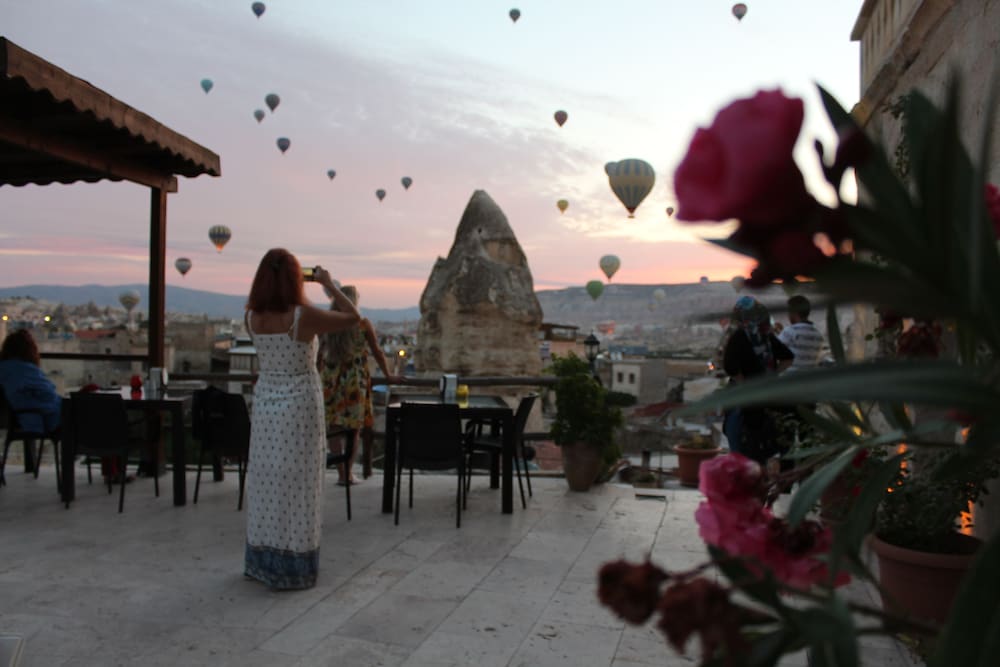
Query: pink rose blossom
x,y
993,206
742,166
732,479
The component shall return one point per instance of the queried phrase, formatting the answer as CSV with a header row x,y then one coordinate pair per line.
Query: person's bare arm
x,y
379,355
317,321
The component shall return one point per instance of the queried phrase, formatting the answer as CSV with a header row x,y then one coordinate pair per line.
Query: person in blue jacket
x,y
25,385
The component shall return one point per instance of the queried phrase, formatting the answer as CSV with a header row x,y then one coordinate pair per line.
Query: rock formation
x,y
478,313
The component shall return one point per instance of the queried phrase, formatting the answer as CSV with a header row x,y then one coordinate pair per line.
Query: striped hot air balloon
x,y
182,264
631,180
609,265
219,235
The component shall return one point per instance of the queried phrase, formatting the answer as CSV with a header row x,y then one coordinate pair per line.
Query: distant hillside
x,y
635,304
179,300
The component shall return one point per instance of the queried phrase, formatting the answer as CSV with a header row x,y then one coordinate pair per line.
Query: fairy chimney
x,y
478,313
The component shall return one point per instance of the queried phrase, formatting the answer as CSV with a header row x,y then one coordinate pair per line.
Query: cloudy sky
x,y
451,93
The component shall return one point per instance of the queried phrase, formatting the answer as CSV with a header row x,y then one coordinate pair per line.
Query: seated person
x,y
25,385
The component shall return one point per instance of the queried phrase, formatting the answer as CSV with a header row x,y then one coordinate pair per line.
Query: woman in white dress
x,y
287,429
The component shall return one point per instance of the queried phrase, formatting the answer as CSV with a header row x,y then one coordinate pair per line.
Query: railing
x,y
472,381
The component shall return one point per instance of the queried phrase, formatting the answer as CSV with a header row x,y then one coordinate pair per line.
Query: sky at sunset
x,y
451,93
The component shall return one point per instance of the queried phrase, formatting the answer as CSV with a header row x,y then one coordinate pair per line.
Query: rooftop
x,y
163,585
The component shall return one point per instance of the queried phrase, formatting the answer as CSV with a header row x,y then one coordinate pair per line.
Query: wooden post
x,y
157,274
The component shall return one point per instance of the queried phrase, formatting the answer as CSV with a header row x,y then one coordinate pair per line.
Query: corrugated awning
x,y
55,127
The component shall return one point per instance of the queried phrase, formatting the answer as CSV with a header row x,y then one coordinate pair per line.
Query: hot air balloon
x,y
631,180
407,182
219,235
739,10
259,114
737,282
562,205
515,14
609,264
561,117
670,211
258,8
330,173
183,264
283,143
595,288
703,280
206,85
272,100
380,194
659,295
129,299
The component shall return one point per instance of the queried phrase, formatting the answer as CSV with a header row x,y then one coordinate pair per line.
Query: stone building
x,y
921,44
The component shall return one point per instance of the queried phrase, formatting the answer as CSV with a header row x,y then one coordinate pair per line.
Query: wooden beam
x,y
27,137
157,275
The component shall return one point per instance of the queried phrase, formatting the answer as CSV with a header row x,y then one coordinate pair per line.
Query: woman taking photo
x,y
287,430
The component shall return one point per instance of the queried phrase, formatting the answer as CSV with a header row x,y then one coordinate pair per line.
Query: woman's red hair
x,y
278,285
20,345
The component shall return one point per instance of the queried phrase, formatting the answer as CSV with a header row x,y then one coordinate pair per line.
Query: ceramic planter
x,y
689,462
581,464
920,583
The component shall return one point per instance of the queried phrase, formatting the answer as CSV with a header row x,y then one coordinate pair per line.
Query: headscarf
x,y
753,318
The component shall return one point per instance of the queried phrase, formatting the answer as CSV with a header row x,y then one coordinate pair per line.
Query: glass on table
x,y
462,395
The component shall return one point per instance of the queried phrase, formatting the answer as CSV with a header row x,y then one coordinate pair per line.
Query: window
x,y
621,377
631,378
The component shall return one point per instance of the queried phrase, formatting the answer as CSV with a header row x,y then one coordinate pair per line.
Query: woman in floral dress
x,y
347,388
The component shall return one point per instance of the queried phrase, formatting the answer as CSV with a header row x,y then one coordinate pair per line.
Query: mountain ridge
x,y
634,303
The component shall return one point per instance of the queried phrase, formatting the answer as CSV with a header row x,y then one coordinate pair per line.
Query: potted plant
x,y
585,422
690,454
922,244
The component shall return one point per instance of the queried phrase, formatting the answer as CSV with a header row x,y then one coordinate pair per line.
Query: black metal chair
x,y
430,438
221,423
334,460
15,431
100,427
477,439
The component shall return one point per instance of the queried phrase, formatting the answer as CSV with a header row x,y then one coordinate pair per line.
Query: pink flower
x,y
742,166
993,206
631,591
730,527
732,479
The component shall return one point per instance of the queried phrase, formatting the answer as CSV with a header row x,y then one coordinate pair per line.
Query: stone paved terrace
x,y
160,585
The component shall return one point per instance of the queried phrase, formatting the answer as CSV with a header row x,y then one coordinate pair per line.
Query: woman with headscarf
x,y
751,351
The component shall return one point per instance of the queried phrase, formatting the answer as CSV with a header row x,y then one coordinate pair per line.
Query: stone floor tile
x,y
403,620
495,615
351,652
576,602
552,644
462,649
525,576
445,580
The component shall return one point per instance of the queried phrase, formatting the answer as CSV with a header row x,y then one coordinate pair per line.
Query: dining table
x,y
487,408
164,403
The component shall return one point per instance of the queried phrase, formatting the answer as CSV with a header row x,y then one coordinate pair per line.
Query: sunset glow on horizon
x,y
451,94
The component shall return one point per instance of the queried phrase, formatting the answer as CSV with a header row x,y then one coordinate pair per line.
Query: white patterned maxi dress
x,y
287,452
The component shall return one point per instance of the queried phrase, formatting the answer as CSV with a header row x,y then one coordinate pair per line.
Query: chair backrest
x,y
523,411
99,423
430,436
221,421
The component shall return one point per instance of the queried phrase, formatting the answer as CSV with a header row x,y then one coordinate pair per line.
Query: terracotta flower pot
x,y
689,462
920,583
581,464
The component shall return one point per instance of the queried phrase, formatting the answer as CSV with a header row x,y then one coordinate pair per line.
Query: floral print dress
x,y
347,392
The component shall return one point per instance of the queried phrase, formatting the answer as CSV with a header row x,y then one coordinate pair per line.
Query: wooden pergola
x,y
58,128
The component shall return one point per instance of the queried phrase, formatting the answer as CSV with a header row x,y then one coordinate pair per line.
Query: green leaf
x,y
766,650
829,632
859,522
760,587
895,415
813,487
912,381
970,635
733,247
915,295
833,333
